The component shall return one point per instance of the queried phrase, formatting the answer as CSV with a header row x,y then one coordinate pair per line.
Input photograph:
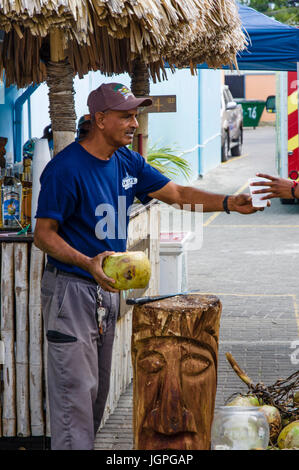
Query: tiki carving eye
x,y
151,362
194,364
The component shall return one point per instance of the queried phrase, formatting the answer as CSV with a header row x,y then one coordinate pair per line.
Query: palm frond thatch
x,y
108,35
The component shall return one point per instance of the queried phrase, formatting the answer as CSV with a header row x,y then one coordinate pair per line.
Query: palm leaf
x,y
165,160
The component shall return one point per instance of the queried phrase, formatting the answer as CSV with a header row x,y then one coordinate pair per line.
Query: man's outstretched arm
x,y
173,193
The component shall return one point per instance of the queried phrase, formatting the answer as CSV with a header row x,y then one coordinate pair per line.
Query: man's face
x,y
118,127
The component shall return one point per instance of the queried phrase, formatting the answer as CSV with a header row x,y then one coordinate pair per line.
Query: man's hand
x,y
95,268
242,203
276,187
47,239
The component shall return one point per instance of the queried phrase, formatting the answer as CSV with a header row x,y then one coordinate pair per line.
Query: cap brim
x,y
132,103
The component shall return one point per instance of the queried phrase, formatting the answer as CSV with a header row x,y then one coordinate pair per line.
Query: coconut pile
x,y
278,402
108,35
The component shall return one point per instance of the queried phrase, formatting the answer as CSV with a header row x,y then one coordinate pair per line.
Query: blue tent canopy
x,y
272,45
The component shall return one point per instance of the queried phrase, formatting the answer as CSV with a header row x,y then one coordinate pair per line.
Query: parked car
x,y
231,125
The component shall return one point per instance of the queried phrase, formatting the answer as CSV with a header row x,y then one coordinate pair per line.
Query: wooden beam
x,y
56,45
140,86
22,338
35,343
8,336
61,93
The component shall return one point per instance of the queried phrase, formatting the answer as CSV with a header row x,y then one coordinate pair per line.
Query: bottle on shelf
x,y
26,197
17,170
27,164
11,200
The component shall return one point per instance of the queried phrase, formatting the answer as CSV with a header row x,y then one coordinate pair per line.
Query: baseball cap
x,y
83,119
114,96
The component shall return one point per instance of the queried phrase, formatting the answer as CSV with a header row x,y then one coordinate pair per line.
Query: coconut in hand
x,y
129,269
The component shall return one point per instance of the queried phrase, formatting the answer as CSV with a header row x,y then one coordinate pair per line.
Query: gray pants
x,y
79,357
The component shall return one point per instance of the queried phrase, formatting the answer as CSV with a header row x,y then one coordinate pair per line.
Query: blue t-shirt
x,y
91,198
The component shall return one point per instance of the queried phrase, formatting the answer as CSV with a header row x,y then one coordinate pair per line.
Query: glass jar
x,y
239,428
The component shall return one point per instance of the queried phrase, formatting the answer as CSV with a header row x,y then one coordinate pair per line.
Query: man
x,y
84,126
48,134
80,190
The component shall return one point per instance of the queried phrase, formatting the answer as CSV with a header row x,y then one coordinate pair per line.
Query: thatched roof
x,y
108,35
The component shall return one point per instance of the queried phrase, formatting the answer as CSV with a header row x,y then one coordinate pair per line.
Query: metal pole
x,y
29,118
18,131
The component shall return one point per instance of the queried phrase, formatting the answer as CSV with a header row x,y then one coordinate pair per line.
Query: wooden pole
x,y
61,93
35,343
56,45
140,86
174,356
22,338
7,336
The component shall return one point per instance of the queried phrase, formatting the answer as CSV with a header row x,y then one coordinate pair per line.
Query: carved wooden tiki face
x,y
174,350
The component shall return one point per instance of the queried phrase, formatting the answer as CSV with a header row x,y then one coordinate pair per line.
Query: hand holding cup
x,y
272,187
258,191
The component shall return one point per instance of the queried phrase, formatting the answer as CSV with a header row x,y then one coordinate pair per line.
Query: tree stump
x,y
174,356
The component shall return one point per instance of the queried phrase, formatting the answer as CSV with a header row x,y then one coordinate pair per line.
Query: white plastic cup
x,y
256,198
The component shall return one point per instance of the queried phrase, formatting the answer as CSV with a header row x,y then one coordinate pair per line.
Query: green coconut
x,y
274,420
129,269
285,422
296,398
249,400
289,436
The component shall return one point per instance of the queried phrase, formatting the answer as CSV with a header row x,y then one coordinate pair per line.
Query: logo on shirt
x,y
128,181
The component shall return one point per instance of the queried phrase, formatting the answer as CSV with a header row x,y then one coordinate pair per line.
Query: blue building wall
x,y
209,122
179,129
7,115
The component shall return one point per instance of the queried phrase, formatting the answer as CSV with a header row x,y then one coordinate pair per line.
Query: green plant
x,y
285,11
165,160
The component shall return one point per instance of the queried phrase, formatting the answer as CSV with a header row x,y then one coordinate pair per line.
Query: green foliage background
x,y
284,11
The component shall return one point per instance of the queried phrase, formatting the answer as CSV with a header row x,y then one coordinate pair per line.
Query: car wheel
x,y
236,151
225,149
